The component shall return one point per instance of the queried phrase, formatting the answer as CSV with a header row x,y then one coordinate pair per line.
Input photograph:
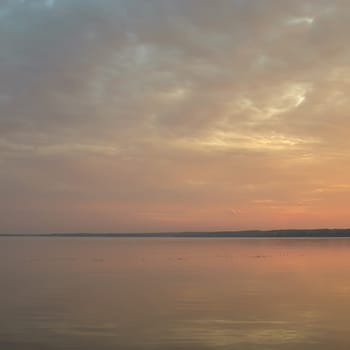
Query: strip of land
x,y
327,233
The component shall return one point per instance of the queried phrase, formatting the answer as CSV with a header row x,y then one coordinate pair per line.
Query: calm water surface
x,y
89,294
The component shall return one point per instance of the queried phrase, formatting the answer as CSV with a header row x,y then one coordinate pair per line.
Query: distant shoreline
x,y
293,233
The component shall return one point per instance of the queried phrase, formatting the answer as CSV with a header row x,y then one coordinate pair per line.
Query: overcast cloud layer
x,y
168,115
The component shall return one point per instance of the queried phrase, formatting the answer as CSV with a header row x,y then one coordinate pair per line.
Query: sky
x,y
174,115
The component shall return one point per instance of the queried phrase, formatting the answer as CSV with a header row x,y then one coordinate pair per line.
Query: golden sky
x,y
173,115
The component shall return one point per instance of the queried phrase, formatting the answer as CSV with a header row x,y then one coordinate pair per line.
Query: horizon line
x,y
316,232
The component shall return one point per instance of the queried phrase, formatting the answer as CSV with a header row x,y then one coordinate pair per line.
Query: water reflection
x,y
174,293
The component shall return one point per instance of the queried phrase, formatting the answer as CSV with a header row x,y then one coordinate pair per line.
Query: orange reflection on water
x,y
176,293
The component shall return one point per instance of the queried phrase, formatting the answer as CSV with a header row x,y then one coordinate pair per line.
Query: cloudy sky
x,y
168,115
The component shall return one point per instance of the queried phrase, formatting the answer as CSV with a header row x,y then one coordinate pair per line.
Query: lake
x,y
174,293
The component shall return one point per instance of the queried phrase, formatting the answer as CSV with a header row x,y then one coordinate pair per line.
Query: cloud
x,y
247,98
50,3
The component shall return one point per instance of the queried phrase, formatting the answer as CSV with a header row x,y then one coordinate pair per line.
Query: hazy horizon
x,y
275,233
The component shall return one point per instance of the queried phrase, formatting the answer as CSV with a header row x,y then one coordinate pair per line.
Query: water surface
x,y
181,293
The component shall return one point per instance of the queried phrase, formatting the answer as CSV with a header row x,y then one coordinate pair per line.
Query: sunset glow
x,y
174,115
